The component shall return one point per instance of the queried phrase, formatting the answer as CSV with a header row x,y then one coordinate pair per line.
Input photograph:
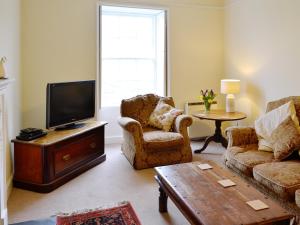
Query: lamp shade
x,y
230,86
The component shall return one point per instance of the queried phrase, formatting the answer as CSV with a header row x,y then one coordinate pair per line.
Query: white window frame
x,y
98,45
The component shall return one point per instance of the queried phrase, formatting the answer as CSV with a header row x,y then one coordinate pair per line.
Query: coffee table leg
x,y
163,200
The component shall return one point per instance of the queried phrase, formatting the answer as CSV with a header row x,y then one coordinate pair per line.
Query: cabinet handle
x,y
66,157
93,145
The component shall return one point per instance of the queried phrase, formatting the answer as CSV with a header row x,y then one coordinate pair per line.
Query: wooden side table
x,y
218,116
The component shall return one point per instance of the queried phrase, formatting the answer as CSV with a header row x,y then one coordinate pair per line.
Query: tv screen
x,y
70,102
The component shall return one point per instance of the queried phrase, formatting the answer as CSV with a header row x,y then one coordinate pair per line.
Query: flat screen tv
x,y
69,103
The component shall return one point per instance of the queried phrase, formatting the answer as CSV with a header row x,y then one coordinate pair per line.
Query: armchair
x,y
146,147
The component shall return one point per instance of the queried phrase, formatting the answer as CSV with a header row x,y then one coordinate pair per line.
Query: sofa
x,y
147,147
243,156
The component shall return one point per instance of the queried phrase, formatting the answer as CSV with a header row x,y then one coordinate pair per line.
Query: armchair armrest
x,y
130,125
182,122
238,136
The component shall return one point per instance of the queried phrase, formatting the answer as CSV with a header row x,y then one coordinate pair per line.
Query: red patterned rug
x,y
121,214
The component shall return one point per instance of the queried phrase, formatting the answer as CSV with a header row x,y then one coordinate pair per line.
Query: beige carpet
x,y
110,182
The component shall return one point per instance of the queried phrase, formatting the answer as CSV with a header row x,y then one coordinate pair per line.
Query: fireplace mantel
x,y
5,82
4,147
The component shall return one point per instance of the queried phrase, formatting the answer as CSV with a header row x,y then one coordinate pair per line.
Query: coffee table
x,y
202,200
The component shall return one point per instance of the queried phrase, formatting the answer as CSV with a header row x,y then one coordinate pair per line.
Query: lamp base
x,y
230,103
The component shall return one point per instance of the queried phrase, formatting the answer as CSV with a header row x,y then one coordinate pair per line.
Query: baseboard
x,y
113,140
9,185
4,217
198,138
118,139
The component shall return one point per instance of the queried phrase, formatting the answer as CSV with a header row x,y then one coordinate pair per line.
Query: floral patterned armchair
x,y
147,147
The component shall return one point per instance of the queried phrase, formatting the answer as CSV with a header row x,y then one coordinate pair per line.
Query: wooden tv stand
x,y
48,162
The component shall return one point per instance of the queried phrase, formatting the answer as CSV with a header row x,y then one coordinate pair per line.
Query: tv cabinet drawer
x,y
76,152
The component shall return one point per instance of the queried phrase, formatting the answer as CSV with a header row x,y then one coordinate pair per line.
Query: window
x,y
133,53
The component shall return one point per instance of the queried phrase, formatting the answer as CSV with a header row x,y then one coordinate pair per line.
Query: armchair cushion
x,y
162,141
163,116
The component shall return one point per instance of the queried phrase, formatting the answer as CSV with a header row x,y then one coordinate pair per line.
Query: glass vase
x,y
207,106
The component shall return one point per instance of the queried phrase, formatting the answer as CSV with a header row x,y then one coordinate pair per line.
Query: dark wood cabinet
x,y
46,163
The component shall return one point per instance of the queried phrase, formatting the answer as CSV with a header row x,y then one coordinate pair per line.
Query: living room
x,y
254,41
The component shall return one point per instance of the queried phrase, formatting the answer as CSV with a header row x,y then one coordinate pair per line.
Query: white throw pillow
x,y
267,123
163,116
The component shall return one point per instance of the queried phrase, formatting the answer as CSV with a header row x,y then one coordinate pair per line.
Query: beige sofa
x,y
243,156
147,147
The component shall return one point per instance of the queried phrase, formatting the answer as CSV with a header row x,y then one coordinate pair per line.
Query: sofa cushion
x,y
267,123
285,139
162,141
281,177
245,157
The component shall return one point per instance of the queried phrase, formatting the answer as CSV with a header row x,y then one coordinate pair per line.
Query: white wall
x,y
263,50
59,44
196,57
10,47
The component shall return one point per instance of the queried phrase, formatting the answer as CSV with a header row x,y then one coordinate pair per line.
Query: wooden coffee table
x,y
202,200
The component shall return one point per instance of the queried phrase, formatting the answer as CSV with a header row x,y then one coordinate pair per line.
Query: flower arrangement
x,y
208,97
3,60
2,69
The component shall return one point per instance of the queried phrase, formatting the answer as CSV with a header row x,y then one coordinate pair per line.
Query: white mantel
x,y
4,83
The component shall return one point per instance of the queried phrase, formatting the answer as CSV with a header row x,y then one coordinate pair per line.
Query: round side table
x,y
218,116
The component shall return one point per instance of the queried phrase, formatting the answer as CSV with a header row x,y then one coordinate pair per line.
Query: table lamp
x,y
230,87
